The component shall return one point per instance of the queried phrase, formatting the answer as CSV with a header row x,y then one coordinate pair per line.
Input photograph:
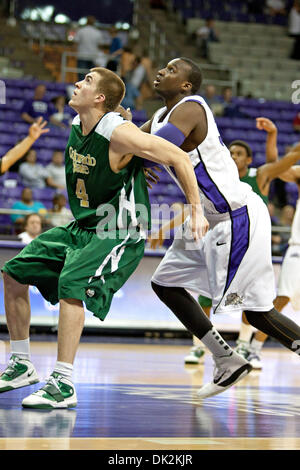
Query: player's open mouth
x,y
156,82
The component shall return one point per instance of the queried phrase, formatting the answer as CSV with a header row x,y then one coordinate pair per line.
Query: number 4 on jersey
x,y
81,193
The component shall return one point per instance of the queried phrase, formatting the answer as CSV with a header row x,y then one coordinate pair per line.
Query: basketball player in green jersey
x,y
89,259
259,179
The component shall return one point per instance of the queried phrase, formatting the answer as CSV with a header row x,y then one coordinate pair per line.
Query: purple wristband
x,y
171,133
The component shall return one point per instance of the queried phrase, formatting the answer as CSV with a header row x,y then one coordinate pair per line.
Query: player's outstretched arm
x,y
268,172
292,175
17,152
267,125
127,139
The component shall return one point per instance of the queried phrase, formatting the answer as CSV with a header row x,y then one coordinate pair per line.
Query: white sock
x,y
256,345
21,348
64,368
216,344
245,333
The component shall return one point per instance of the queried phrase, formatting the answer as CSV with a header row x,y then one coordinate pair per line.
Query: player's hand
x,y
151,176
157,239
198,224
38,128
125,113
265,124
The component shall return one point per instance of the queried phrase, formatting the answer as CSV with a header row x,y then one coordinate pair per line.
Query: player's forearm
x,y
17,152
271,147
284,164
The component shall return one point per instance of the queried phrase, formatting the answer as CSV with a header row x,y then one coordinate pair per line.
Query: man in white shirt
x,y
56,177
33,228
89,38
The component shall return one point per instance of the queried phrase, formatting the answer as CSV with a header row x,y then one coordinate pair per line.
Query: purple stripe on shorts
x,y
210,189
239,242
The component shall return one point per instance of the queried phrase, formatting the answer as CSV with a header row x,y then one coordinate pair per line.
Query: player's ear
x,y
187,86
100,98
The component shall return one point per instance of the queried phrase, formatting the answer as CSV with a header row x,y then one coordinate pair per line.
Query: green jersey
x,y
250,178
97,195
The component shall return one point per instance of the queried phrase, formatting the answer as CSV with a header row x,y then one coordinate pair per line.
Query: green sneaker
x,y
18,373
242,348
58,392
194,355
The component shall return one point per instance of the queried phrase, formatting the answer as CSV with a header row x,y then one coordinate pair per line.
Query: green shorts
x,y
204,301
71,262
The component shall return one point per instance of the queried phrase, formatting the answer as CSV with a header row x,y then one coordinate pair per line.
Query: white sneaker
x,y
18,373
58,392
194,356
255,360
228,371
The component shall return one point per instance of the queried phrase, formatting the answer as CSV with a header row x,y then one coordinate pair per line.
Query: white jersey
x,y
217,175
295,231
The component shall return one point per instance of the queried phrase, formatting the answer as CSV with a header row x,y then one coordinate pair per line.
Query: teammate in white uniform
x,y
289,279
232,264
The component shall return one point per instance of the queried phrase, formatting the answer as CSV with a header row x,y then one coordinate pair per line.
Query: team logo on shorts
x,y
90,292
233,299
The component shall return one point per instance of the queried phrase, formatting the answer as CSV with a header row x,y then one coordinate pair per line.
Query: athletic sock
x,y
216,344
189,312
256,345
21,348
64,368
245,332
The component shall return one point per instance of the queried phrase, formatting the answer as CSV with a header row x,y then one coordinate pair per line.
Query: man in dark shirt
x,y
36,107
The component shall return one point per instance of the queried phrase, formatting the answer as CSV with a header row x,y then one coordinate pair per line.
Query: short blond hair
x,y
112,86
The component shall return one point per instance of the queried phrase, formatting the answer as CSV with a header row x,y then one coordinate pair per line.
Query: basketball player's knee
x,y
11,283
256,318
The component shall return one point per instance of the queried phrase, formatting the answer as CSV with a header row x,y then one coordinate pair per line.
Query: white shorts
x,y
232,264
289,279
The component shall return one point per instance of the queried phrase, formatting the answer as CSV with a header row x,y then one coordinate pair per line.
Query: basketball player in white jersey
x,y
232,264
289,279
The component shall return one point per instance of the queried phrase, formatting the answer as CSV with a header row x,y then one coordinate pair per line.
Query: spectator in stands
x,y
88,39
205,35
26,204
127,59
213,101
33,174
60,214
32,228
60,114
18,151
230,108
296,123
102,56
56,177
134,80
294,29
276,7
36,107
115,50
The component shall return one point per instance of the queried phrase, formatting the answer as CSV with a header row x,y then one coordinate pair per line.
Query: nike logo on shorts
x,y
221,243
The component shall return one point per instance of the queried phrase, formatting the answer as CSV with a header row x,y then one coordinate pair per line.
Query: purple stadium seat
x,y
45,194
